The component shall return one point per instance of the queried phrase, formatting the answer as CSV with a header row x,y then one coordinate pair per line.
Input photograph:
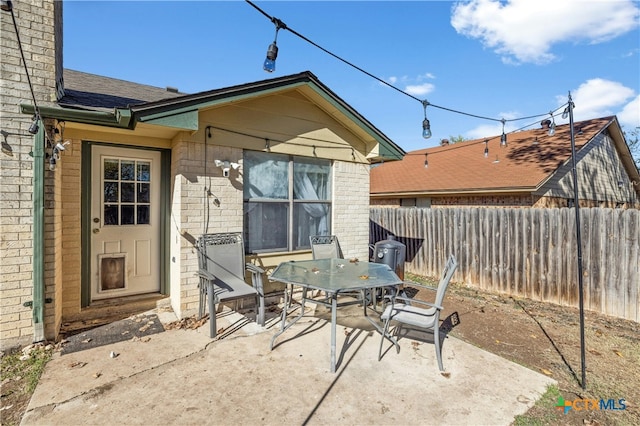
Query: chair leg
x,y
436,341
212,311
202,301
260,310
385,335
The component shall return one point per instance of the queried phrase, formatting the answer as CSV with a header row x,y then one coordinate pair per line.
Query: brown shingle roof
x,y
527,161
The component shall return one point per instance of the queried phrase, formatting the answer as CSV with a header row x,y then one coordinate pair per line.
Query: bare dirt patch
x,y
546,338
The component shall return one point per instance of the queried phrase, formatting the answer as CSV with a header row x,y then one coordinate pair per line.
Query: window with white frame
x,y
286,200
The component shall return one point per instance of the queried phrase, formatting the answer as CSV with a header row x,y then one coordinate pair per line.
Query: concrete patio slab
x,y
184,377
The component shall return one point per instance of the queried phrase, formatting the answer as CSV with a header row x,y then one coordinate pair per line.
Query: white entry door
x,y
125,222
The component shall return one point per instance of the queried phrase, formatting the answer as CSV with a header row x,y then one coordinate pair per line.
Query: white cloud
x,y
525,31
599,97
414,85
629,116
419,89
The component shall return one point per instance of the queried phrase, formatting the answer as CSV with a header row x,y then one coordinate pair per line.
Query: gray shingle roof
x,y
89,91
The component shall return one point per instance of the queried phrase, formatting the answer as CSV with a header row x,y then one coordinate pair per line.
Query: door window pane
x,y
127,170
111,192
143,192
128,195
111,169
144,171
111,214
126,215
126,192
143,215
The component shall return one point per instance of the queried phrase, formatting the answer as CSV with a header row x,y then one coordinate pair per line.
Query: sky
x,y
475,62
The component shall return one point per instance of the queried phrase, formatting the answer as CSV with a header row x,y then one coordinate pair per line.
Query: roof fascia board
x,y
187,120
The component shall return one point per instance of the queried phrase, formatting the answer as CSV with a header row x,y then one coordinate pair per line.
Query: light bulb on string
x,y
272,52
552,127
426,126
486,148
503,137
426,161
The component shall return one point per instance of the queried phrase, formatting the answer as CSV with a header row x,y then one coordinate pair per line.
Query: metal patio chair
x,y
328,247
405,311
222,276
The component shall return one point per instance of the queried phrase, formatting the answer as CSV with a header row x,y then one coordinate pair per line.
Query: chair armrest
x,y
203,273
415,301
256,277
254,268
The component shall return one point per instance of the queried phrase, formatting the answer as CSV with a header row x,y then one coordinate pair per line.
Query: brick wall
x,y
351,208
40,35
203,201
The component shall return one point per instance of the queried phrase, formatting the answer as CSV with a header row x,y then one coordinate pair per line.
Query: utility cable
x,y
282,25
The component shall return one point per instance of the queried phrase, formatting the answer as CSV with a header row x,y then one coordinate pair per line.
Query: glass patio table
x,y
333,276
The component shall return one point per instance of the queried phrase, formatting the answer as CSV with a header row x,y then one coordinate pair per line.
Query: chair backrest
x,y
222,254
449,268
325,247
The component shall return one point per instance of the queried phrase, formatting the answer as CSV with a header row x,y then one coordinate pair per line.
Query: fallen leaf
x,y
78,364
618,353
547,372
96,375
497,341
86,340
593,351
446,374
534,337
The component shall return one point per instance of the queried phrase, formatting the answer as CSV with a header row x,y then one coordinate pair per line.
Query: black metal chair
x,y
222,276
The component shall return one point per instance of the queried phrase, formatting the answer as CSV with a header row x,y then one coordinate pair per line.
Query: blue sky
x,y
487,58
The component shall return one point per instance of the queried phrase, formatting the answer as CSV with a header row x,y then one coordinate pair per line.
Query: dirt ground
x,y
541,336
546,338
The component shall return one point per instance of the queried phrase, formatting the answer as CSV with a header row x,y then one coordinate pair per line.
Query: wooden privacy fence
x,y
530,253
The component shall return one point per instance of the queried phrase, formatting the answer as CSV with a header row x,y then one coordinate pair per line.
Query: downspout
x,y
38,235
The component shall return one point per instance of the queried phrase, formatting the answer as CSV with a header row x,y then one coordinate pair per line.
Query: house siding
x,y
40,27
599,169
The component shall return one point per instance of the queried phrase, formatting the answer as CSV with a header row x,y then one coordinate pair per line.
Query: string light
x,y
267,145
426,124
552,127
272,52
486,148
503,137
426,127
426,161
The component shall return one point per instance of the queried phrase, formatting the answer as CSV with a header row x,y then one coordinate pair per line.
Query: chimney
x,y
444,142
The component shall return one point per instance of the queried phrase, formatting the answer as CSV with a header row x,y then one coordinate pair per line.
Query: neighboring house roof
x,y
524,165
94,99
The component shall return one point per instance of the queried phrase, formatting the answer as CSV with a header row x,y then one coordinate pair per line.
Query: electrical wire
x,y
24,62
282,25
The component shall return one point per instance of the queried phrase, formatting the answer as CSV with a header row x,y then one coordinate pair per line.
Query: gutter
x,y
120,118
